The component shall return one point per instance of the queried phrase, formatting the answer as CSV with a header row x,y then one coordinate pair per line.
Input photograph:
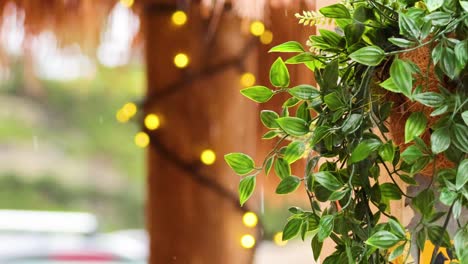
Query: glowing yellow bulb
x,y
250,219
152,122
267,37
278,239
121,116
179,18
257,28
247,241
129,109
181,60
127,3
247,79
142,139
208,157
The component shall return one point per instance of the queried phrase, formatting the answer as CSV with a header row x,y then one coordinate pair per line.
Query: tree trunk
x,y
192,209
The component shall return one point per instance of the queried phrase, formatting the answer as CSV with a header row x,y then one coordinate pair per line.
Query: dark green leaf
x,y
400,72
430,99
288,184
331,37
438,236
411,154
304,92
291,229
332,100
353,33
338,195
460,137
240,163
293,125
383,239
364,149
259,94
370,56
448,63
352,123
415,126
421,239
390,191
290,46
279,74
282,168
424,202
335,11
325,227
246,188
294,151
327,180
408,26
440,140
316,247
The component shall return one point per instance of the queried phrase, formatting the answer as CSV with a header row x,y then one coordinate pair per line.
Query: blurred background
x,y
114,118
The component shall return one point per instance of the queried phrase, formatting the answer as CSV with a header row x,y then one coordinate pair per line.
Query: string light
x,y
129,109
267,37
121,116
208,157
247,241
179,18
257,28
250,219
247,79
181,60
152,122
127,3
142,139
278,239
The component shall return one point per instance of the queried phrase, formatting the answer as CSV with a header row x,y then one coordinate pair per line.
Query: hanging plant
x,y
392,103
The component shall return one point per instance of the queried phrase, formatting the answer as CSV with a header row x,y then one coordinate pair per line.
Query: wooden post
x,y
191,217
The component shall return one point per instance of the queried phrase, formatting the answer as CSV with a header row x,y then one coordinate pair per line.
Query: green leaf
x,y
316,247
415,126
293,125
397,252
332,100
390,191
353,33
338,195
351,124
430,99
461,52
288,184
411,154
268,165
330,37
447,196
246,188
400,72
421,238
327,180
282,168
464,5
440,140
291,229
424,202
383,239
390,85
387,151
460,137
294,151
239,162
364,149
259,94
268,118
370,56
335,11
401,42
301,58
304,92
325,227
293,101
269,135
433,4
279,74
290,46
462,174
438,236
396,226
408,26
465,115
438,18
460,241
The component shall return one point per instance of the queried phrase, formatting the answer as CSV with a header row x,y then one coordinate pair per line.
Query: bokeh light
x,y
257,28
129,109
142,139
179,18
247,241
278,239
250,219
181,60
208,157
121,116
152,122
267,37
247,79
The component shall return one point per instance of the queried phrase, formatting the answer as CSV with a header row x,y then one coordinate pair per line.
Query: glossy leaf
x,y
462,174
430,99
304,92
268,118
246,188
288,184
400,73
282,168
383,239
291,229
240,163
335,11
279,74
290,46
293,125
370,56
259,94
387,151
327,180
294,151
364,149
415,126
325,227
440,140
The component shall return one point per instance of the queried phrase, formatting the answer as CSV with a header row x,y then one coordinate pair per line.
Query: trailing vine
x,y
344,129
